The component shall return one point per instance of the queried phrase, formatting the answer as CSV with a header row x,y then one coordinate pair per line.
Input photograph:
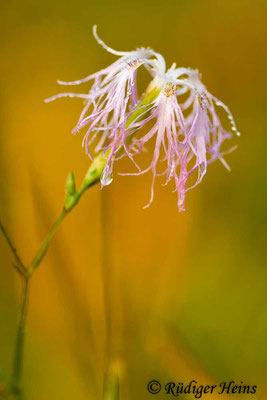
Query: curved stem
x,y
15,385
91,178
44,246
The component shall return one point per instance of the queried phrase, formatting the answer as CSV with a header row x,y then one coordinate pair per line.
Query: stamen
x,y
169,89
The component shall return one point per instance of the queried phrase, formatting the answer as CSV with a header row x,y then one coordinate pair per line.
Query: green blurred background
x,y
187,292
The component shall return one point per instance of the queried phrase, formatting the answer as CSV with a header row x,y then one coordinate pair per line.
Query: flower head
x,y
184,115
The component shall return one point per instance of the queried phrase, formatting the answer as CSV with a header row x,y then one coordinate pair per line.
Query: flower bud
x,y
70,191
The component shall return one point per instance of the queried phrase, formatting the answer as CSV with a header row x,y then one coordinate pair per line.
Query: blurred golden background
x,y
187,291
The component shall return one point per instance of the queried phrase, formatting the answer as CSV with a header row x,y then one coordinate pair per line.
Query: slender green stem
x,y
15,385
72,199
91,178
44,246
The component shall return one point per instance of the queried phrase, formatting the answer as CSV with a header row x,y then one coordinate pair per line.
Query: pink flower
x,y
186,128
188,132
110,100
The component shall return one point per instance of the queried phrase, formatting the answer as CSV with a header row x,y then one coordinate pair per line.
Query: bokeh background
x,y
186,292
